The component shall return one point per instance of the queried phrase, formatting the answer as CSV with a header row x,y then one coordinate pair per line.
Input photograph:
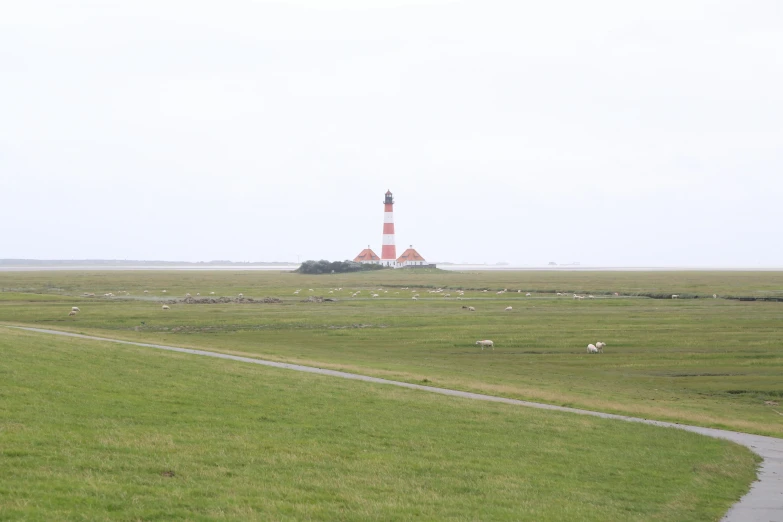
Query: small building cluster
x,y
409,258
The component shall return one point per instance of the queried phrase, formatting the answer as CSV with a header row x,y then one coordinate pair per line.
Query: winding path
x,y
763,503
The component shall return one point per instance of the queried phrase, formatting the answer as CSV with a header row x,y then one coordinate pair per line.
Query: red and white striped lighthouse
x,y
388,250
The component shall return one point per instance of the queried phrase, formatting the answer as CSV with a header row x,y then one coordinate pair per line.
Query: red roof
x,y
366,255
410,255
388,192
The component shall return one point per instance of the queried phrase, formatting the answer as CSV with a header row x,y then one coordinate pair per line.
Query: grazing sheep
x,y
675,296
617,294
212,293
527,294
591,348
165,307
198,294
446,295
415,298
146,291
164,291
471,309
486,343
508,309
71,313
375,295
241,296
714,296
187,295
591,296
600,346
75,309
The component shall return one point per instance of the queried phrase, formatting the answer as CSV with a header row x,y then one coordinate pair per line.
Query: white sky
x,y
612,133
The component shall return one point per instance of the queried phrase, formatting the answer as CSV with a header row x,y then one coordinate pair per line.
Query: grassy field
x,y
92,430
712,362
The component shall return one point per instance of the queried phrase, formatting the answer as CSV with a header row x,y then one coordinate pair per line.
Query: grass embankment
x,y
708,362
96,430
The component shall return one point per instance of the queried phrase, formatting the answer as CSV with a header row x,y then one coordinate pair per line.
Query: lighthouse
x,y
388,250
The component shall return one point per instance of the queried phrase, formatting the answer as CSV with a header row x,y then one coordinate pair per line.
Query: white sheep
x,y
415,298
75,309
146,291
71,313
714,296
375,295
508,309
675,296
527,294
591,348
212,293
187,295
164,291
471,309
241,296
600,346
485,343
165,307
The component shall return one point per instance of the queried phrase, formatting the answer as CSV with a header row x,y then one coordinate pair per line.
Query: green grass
x,y
92,430
710,362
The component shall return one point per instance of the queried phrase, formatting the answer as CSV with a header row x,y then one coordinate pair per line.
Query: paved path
x,y
763,503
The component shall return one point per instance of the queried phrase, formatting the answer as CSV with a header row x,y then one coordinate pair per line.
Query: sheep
x,y
471,309
446,295
508,309
591,296
71,313
212,293
198,294
591,348
486,343
527,294
415,298
714,296
146,291
500,292
164,291
617,294
375,295
241,295
165,307
675,296
187,295
75,309
600,346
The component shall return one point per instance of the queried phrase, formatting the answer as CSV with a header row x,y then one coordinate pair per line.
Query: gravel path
x,y
763,503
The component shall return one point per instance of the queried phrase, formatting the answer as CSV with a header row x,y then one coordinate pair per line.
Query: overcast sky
x,y
612,133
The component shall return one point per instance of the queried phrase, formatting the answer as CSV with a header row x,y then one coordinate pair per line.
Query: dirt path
x,y
763,503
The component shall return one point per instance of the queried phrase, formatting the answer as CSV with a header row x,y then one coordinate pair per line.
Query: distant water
x,y
100,268
460,268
